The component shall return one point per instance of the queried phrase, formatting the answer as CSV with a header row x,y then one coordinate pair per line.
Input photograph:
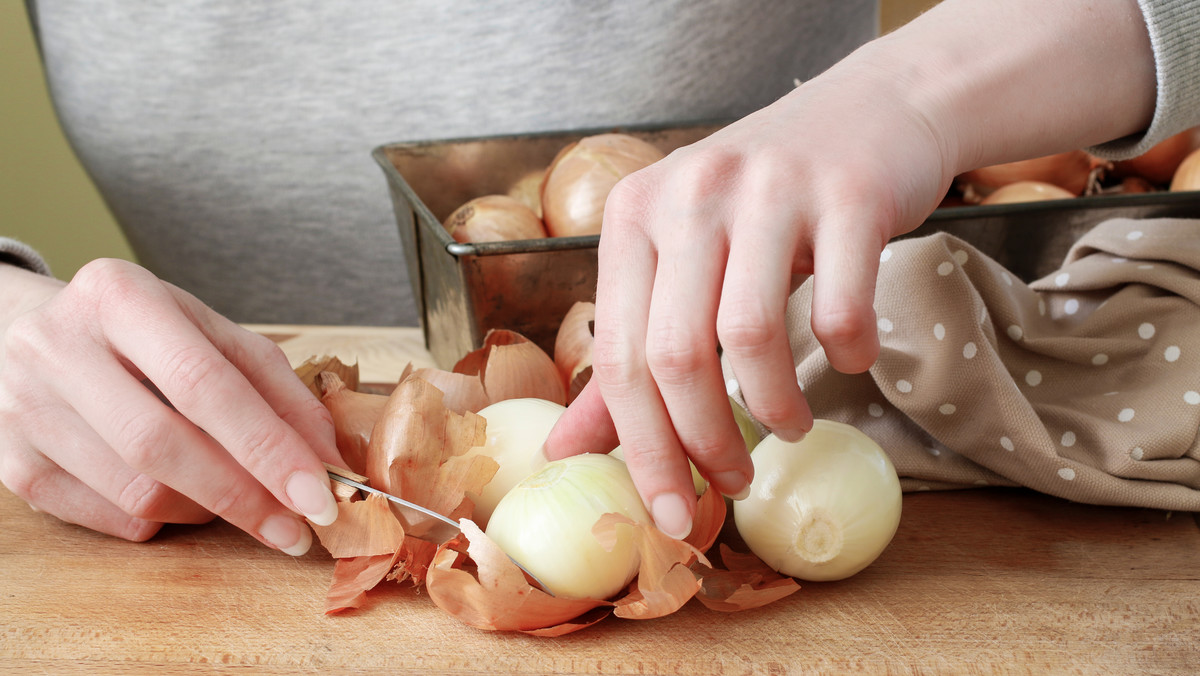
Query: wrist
x,y
22,290
998,82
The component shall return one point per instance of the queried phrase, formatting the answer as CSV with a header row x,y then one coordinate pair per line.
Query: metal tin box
x,y
464,290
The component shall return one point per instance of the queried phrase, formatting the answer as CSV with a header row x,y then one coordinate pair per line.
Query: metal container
x,y
464,290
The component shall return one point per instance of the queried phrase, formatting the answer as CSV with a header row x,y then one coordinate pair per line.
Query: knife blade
x,y
436,527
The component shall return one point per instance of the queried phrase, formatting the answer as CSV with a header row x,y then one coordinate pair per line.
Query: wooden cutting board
x,y
978,581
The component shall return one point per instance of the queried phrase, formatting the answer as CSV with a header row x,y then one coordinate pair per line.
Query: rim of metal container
x,y
955,213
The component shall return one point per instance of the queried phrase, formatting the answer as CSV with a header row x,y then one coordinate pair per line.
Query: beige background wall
x,y
46,199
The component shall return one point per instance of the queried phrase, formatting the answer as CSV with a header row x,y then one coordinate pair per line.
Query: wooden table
x,y
979,581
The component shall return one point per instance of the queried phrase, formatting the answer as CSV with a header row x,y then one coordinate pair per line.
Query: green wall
x,y
46,199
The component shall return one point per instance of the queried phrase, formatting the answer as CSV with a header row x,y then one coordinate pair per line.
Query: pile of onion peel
x,y
415,449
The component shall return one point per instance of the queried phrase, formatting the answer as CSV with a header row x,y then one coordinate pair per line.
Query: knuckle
x,y
145,442
705,172
613,362
263,444
230,501
23,479
144,498
107,280
743,327
842,327
773,411
191,368
674,355
630,198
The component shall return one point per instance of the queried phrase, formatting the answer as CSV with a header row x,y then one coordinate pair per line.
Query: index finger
x,y
211,391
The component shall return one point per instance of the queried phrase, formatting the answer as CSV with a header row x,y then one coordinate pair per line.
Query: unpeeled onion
x,y
1187,176
1072,171
494,218
822,508
1027,191
545,523
581,176
1158,165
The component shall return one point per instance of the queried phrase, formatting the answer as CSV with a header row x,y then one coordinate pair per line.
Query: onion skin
x,y
1187,176
1159,164
494,218
1027,191
528,190
1071,171
580,178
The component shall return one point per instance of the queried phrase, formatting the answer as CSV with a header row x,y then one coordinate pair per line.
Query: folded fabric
x,y
1084,384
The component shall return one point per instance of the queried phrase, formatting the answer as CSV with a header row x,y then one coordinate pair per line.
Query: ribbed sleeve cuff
x,y
1174,27
22,255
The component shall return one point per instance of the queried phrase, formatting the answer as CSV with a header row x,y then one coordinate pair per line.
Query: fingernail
x,y
790,435
290,535
732,483
671,515
312,497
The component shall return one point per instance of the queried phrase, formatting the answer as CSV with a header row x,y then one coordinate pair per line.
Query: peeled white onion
x,y
822,508
545,523
516,430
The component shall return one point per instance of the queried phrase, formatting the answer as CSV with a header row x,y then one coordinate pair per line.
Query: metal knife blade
x,y
435,527
417,520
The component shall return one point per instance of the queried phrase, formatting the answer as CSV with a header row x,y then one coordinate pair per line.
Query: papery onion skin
x,y
1027,191
545,522
580,178
1071,170
1187,176
1159,164
822,508
516,430
528,190
494,218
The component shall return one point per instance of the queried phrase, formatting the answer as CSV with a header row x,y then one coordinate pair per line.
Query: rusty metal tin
x,y
464,290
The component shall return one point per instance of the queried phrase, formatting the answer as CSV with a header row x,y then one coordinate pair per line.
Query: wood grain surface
x,y
976,582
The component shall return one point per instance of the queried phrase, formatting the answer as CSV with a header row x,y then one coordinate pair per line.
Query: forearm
x,y
1001,81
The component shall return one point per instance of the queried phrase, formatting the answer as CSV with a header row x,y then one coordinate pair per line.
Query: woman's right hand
x,y
126,403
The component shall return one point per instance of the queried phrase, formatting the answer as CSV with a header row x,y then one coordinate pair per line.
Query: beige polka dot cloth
x,y
1084,384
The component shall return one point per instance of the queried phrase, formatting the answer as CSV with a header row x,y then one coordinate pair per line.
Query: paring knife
x,y
436,528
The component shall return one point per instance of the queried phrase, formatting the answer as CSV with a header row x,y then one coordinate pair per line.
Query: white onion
x,y
822,508
516,430
545,523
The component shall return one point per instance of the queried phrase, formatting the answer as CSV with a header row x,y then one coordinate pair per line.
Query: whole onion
x,y
1187,176
1158,165
494,218
1071,171
581,176
1027,191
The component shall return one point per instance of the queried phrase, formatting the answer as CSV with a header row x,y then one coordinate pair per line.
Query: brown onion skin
x,y
494,218
1159,164
581,176
1070,170
1027,191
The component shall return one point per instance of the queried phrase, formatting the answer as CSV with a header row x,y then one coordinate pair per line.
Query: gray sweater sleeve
x,y
22,255
1174,27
